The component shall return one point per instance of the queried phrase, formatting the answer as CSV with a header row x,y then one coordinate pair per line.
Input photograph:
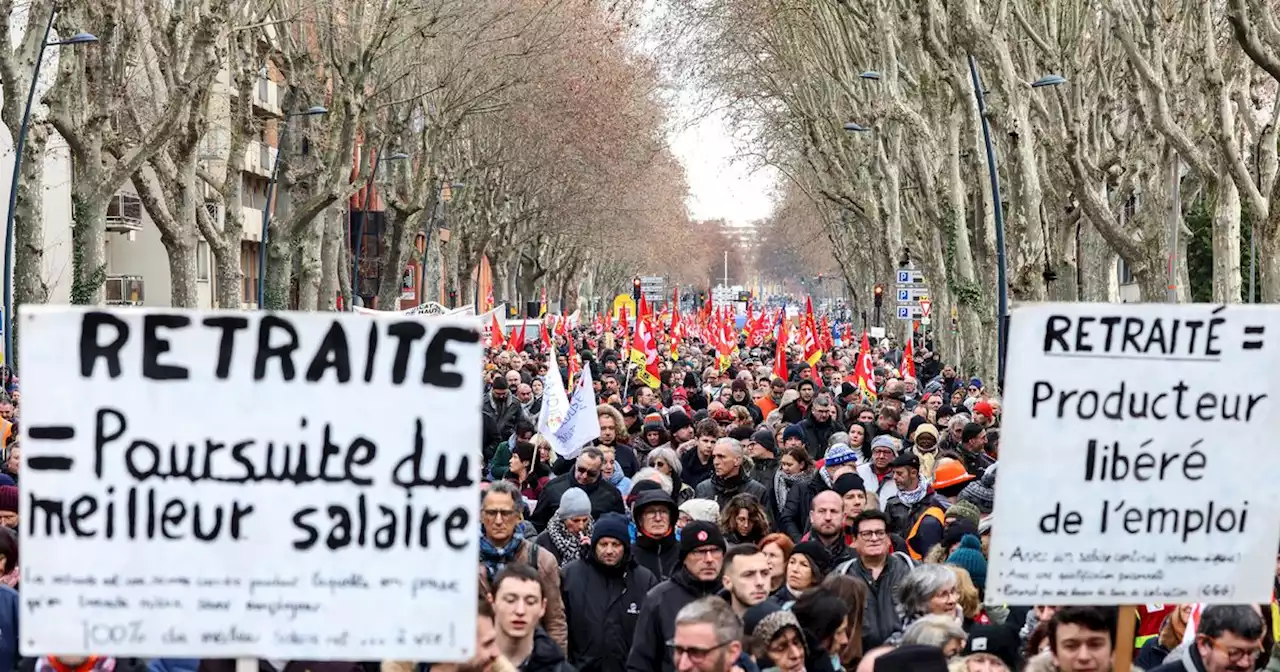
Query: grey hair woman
x,y
943,632
928,589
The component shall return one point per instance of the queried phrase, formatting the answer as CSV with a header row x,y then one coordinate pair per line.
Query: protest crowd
x,y
761,497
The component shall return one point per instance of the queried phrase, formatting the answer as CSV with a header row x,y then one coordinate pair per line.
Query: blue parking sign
x,y
904,295
904,276
904,312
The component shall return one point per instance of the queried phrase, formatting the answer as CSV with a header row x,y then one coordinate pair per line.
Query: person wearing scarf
x,y
916,512
731,466
569,529
795,467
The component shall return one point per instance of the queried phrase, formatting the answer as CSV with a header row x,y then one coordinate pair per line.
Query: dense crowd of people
x,y
730,518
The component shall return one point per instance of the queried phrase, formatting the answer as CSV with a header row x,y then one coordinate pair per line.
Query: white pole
x,y
726,268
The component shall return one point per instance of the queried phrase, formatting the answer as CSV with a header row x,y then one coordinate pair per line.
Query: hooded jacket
x,y
602,605
656,624
794,521
659,556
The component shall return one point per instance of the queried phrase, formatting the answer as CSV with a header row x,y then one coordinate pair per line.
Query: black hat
x,y
764,437
997,640
817,554
848,482
677,420
698,534
740,433
908,458
613,526
914,657
846,389
690,380
971,431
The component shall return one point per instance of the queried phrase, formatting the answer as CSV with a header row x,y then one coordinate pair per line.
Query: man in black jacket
x,y
820,425
604,495
882,571
503,409
603,592
702,550
656,547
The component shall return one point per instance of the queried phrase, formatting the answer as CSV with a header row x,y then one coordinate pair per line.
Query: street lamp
x,y
426,237
997,209
19,144
313,111
855,127
870,74
364,217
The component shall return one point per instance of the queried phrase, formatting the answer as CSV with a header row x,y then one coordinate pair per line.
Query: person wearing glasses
x,y
707,638
1228,639
501,545
585,475
702,549
882,570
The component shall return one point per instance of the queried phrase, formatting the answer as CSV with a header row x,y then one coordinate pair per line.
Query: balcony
x,y
251,224
124,290
266,97
124,214
259,158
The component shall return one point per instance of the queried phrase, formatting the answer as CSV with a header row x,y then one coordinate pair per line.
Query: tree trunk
x,y
309,267
1226,243
28,265
226,264
88,247
395,254
330,258
182,272
279,268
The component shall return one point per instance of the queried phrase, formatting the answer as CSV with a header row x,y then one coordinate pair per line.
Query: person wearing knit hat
x,y
602,593
849,482
780,641
574,503
808,565
680,427
698,510
741,433
793,435
837,455
963,509
981,492
885,441
924,442
984,413
763,439
912,657
701,536
969,556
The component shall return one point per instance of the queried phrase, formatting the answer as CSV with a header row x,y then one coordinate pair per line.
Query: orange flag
x,y
496,339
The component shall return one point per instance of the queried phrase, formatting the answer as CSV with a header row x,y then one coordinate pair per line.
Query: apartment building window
x,y
1123,272
202,261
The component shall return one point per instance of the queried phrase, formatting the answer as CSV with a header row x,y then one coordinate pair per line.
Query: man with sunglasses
x,y
702,549
1228,639
585,475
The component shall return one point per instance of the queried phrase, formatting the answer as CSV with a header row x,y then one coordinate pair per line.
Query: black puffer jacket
x,y
794,520
724,490
601,605
604,498
880,619
657,622
659,556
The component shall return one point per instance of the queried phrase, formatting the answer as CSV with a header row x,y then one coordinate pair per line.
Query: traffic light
x,y
453,298
702,298
635,288
879,291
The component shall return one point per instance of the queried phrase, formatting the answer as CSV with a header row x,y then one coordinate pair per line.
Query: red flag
x,y
496,339
622,319
517,338
863,374
780,369
809,336
573,364
545,335
909,359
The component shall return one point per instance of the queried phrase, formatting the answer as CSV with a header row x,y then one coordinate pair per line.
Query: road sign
x,y
925,306
910,276
910,312
653,287
1137,475
912,294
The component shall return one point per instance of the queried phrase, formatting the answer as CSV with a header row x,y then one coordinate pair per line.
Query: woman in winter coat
x,y
569,530
527,475
795,467
665,460
927,589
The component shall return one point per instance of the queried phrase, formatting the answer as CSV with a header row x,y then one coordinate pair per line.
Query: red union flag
x,y
644,354
863,373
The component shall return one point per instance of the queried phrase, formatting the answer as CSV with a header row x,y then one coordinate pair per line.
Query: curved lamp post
x,y
364,216
855,127
997,209
19,144
316,110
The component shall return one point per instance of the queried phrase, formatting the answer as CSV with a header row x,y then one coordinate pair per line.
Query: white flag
x,y
555,405
581,423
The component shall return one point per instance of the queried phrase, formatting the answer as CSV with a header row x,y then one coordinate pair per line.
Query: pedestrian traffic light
x,y
879,291
635,288
453,298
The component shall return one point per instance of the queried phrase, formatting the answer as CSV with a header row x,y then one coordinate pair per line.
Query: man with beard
x,y
820,425
798,410
772,401
602,595
826,525
503,410
656,547
746,577
530,404
702,551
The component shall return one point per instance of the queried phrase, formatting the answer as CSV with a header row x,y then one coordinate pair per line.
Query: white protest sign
x,y
555,405
1134,456
262,485
581,424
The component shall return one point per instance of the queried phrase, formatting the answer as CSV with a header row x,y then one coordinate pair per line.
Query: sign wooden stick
x,y
1125,627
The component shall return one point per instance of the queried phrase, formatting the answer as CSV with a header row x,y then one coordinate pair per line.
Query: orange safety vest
x,y
931,512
